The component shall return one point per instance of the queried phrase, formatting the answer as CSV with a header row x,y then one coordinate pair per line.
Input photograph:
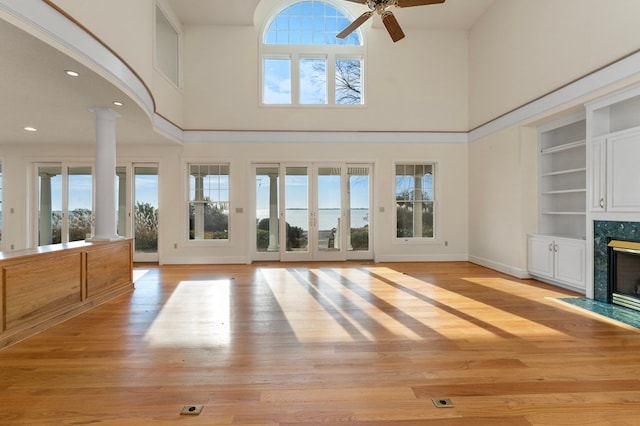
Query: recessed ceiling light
x,y
30,129
117,103
71,73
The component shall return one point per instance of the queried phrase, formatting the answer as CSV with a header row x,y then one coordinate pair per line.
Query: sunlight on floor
x,y
139,273
310,313
196,315
508,288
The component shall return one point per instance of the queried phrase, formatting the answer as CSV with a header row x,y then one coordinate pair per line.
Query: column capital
x,y
107,113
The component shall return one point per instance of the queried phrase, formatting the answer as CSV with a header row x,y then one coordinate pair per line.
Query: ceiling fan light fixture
x,y
388,19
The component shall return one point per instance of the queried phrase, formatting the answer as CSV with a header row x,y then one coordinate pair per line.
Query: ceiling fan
x,y
390,22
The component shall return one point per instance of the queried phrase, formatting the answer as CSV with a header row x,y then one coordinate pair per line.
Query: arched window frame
x,y
294,53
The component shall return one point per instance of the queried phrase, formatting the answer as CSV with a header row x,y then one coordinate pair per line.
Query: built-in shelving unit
x,y
563,179
556,254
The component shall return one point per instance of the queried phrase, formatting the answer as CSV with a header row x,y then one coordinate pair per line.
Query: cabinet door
x,y
540,256
570,261
623,173
597,174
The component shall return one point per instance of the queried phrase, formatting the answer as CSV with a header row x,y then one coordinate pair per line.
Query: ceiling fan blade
x,y
355,24
391,23
410,3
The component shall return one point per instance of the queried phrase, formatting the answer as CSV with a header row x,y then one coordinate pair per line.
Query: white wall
x,y
503,204
522,49
451,192
452,221
419,84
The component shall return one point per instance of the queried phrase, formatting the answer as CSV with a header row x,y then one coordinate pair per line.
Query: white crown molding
x,y
323,137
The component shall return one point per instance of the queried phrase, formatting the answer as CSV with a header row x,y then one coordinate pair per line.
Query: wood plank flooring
x,y
329,343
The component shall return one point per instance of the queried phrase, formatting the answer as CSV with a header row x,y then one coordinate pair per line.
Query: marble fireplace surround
x,y
603,232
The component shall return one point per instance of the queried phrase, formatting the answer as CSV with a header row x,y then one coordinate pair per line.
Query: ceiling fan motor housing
x,y
380,5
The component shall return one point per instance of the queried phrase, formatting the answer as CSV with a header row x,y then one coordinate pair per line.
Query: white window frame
x,y
156,65
436,191
187,172
297,52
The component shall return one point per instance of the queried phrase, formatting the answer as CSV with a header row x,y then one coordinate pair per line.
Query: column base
x,y
102,238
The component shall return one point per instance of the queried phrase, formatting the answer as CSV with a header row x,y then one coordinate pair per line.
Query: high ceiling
x,y
36,92
453,14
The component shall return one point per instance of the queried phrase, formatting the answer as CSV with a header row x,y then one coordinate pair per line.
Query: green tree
x,y
216,220
146,227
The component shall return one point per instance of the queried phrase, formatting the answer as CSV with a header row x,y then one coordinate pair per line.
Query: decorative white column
x,y
105,210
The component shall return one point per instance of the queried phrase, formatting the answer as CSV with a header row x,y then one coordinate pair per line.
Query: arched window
x,y
303,63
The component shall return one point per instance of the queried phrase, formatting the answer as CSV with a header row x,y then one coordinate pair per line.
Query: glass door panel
x,y
49,204
295,230
267,241
358,194
145,220
79,202
121,200
327,214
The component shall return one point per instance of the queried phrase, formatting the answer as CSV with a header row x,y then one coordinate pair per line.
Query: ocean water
x,y
327,218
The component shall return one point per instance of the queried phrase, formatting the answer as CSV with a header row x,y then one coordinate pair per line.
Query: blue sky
x,y
80,191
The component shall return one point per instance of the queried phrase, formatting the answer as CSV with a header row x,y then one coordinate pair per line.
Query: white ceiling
x,y
453,14
34,90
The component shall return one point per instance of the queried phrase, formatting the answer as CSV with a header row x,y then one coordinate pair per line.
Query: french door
x,y
64,203
140,196
312,211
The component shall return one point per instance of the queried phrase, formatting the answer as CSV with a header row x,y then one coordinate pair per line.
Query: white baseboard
x,y
423,258
500,267
203,260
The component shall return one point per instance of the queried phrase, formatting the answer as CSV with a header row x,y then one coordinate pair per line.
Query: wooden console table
x,y
44,286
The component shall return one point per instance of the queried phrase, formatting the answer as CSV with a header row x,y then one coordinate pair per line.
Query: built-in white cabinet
x,y
597,171
613,151
560,261
623,173
556,254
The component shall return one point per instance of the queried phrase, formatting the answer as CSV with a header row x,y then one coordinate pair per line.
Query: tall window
x,y
303,63
208,201
167,48
415,200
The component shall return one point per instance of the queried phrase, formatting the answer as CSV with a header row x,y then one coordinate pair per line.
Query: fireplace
x,y
624,273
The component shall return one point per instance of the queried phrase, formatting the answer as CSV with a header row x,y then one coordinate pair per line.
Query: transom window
x,y
304,63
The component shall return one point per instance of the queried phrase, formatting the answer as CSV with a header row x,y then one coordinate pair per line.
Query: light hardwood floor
x,y
328,343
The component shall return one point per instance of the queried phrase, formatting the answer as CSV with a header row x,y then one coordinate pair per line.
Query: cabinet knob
x,y
601,202
555,247
551,247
